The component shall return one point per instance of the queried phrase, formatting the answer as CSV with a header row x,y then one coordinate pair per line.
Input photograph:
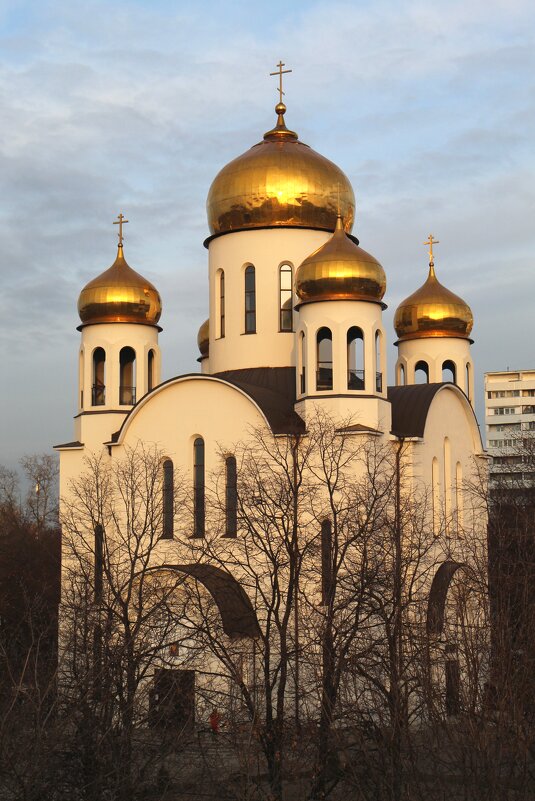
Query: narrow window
x,y
459,497
468,383
99,377
378,370
355,358
448,371
150,371
198,488
435,481
221,304
324,359
99,547
81,378
303,356
285,304
127,384
250,300
231,510
401,376
447,482
168,499
421,373
326,562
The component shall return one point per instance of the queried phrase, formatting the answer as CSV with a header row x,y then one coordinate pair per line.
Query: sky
x,y
133,107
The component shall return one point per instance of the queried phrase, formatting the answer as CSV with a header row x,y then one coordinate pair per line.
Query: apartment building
x,y
510,424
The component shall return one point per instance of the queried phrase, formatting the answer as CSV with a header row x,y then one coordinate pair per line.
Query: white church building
x,y
295,325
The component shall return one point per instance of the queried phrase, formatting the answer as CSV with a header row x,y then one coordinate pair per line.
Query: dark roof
x,y
70,445
273,389
410,406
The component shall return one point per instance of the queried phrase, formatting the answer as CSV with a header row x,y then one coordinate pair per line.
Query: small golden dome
x,y
433,311
340,270
203,338
119,295
279,182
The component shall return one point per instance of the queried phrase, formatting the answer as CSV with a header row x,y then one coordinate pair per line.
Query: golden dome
x,y
119,295
340,270
279,182
203,338
433,311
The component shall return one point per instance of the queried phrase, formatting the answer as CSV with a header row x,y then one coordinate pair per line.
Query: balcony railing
x,y
98,395
324,376
355,379
378,382
127,396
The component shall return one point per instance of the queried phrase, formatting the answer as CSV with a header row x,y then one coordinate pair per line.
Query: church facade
x,y
295,330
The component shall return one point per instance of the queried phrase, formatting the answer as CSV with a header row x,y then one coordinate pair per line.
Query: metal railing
x,y
324,377
127,396
98,395
355,379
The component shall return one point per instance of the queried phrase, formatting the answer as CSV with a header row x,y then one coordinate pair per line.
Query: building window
x,y
378,371
459,497
448,371
355,358
324,359
127,371
285,304
302,364
435,481
98,394
231,506
150,371
198,488
447,482
221,304
326,562
504,410
421,373
250,300
168,499
401,376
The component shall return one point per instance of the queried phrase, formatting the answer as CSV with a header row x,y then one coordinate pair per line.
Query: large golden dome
x,y
203,338
119,295
279,182
433,311
340,270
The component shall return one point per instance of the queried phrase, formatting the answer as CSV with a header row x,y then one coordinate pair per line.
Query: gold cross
x,y
280,72
120,221
431,242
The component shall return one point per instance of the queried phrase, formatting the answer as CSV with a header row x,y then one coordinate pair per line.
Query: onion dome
x,y
279,182
203,338
340,270
433,311
119,295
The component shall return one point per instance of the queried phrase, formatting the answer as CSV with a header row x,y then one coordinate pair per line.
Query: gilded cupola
x,y
279,182
340,270
203,338
433,311
120,295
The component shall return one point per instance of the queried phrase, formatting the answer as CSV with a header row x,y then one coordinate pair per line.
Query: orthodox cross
x,y
120,221
280,72
430,241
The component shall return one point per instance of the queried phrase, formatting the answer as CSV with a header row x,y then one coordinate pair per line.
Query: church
x,y
295,328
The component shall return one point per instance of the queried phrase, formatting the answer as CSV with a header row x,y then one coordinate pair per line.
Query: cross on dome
x,y
431,241
120,221
280,72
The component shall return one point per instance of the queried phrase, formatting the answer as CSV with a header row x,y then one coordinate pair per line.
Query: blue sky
x,y
428,107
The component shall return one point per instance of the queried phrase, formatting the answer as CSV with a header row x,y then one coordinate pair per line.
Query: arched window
x,y
250,300
231,510
168,499
355,358
324,359
150,370
98,394
401,375
447,482
421,373
468,381
435,481
448,371
285,299
378,370
221,304
459,497
302,362
326,561
127,383
81,378
198,488
99,563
